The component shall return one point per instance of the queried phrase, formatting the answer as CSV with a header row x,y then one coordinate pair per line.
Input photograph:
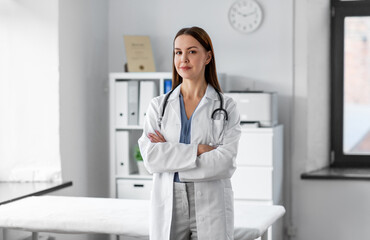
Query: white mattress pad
x,y
114,216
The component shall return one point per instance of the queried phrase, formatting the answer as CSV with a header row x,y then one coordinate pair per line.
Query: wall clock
x,y
245,15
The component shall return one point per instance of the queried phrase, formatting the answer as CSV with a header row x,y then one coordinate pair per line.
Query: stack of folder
x,y
132,99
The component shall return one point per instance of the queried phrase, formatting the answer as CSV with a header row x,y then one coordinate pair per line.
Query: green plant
x,y
137,154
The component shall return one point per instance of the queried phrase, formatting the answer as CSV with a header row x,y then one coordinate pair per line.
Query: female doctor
x,y
189,143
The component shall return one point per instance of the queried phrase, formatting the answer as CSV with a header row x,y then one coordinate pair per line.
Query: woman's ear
x,y
209,57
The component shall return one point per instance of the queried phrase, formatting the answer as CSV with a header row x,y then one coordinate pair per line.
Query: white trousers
x,y
183,226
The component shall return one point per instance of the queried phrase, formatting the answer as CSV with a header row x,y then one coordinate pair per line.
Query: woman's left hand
x,y
156,138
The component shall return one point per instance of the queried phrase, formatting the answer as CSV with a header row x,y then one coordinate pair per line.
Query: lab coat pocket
x,y
229,212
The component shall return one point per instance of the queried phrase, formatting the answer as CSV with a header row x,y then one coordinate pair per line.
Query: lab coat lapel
x,y
172,119
174,103
209,95
200,120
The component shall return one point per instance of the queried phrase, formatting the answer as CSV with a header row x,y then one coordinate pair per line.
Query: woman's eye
x,y
192,52
178,53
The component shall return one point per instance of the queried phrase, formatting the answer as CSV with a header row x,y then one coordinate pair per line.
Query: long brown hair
x,y
210,71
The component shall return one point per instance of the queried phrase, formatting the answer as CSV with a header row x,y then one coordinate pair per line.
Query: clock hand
x,y
249,14
239,13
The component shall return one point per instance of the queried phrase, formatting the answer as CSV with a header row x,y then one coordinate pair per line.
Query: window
x,y
350,117
29,91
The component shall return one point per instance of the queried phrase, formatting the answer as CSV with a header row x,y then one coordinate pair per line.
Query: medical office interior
x,y
59,56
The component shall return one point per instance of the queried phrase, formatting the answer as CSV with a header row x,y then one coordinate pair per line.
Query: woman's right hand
x,y
202,148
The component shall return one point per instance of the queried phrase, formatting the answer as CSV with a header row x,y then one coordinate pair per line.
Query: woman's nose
x,y
184,58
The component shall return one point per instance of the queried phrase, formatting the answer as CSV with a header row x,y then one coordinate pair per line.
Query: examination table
x,y
123,217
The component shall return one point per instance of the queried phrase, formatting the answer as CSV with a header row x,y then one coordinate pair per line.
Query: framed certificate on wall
x,y
139,54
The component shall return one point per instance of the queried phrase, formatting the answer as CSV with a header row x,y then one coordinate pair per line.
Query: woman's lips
x,y
184,68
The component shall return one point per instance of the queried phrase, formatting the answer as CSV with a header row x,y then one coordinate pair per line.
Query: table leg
x,y
5,234
35,235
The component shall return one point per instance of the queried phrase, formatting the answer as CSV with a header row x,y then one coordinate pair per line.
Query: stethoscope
x,y
216,140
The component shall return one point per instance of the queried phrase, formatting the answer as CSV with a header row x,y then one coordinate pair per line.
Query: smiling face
x,y
190,57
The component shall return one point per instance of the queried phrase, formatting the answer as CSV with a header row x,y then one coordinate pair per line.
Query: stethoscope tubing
x,y
226,116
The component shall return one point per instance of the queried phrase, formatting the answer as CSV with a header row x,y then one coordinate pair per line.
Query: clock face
x,y
245,15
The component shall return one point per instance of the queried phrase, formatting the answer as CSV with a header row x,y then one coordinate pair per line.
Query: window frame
x,y
340,10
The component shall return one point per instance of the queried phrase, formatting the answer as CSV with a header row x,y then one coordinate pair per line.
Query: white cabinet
x,y
256,147
130,95
258,178
253,183
133,188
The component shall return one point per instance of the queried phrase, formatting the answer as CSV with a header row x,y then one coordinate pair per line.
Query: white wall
x,y
84,96
262,60
321,209
83,47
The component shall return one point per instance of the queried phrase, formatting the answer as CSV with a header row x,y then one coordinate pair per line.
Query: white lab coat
x,y
210,172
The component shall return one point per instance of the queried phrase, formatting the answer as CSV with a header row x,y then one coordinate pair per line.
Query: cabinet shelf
x,y
135,176
129,97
